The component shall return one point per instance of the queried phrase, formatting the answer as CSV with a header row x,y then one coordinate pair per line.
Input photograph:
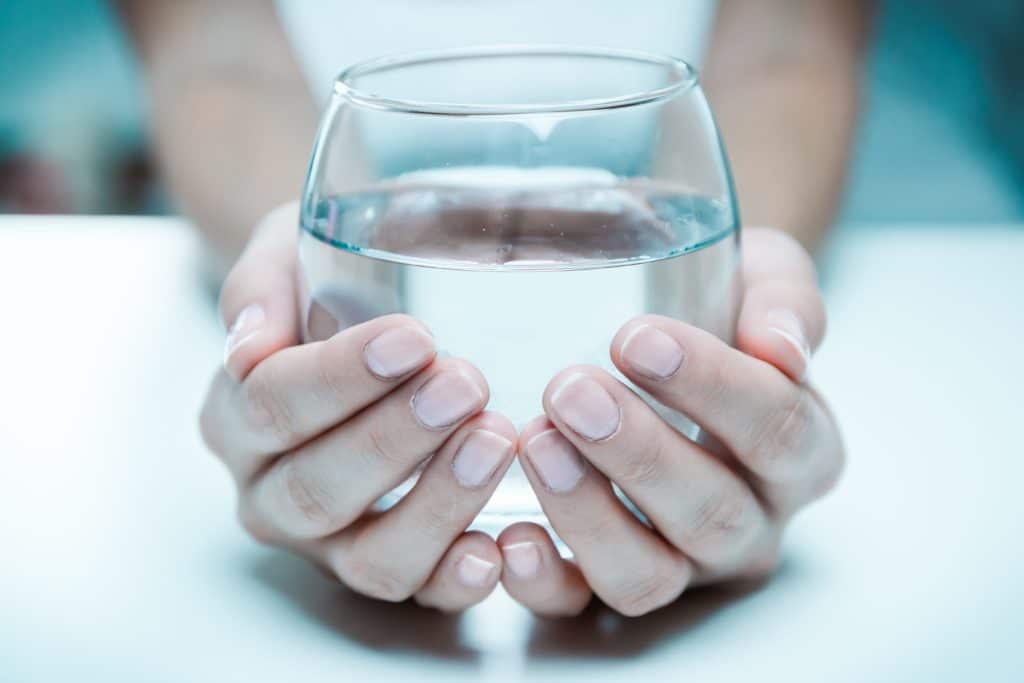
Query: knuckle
x,y
639,595
306,495
376,580
385,447
644,463
712,383
721,519
780,442
327,372
441,515
266,409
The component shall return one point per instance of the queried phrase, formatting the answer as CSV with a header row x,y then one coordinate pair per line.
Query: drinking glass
x,y
524,203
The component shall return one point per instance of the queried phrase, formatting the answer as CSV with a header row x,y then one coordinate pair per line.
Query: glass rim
x,y
344,85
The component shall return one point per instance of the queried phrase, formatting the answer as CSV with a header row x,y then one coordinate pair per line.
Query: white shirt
x,y
329,36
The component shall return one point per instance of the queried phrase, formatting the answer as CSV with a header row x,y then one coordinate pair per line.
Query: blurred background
x,y
942,138
120,547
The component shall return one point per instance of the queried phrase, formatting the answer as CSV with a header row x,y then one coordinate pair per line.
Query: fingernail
x,y
652,353
398,352
557,461
788,326
522,559
586,407
479,456
446,399
244,328
474,571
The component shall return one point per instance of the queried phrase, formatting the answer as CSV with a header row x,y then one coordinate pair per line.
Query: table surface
x,y
122,560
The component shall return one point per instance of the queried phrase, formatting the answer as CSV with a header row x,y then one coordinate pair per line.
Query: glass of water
x,y
524,203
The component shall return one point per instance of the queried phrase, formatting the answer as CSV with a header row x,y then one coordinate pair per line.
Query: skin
x,y
783,80
215,93
781,75
715,516
313,435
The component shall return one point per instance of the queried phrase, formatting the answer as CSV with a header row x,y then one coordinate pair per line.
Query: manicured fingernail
x,y
586,407
479,456
652,353
398,352
246,325
522,559
557,461
446,399
788,326
474,571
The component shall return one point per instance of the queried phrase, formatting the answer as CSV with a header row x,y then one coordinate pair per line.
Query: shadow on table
x,y
597,633
378,625
600,632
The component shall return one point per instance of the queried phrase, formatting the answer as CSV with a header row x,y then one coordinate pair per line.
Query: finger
x,y
258,301
324,485
625,563
782,319
535,575
300,392
695,501
401,546
778,430
465,576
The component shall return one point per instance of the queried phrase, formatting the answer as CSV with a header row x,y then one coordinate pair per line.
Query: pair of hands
x,y
314,434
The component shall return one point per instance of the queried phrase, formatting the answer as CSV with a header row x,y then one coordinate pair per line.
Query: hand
x,y
713,517
315,434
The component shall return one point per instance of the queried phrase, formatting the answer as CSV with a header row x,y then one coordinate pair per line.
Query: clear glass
x,y
524,203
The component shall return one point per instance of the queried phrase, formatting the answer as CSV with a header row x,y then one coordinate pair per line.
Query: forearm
x,y
233,121
231,153
784,80
788,139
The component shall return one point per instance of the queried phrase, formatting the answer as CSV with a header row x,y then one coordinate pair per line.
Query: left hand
x,y
714,517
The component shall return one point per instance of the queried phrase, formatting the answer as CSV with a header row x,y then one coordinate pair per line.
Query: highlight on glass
x,y
523,202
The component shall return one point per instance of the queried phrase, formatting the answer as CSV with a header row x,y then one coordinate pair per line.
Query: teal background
x,y
942,138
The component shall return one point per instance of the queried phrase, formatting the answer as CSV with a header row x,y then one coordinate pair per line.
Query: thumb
x,y
782,318
258,301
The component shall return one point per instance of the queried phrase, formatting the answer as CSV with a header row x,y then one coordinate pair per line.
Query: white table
x,y
121,559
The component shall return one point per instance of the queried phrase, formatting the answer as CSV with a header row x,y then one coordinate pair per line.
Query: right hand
x,y
315,434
